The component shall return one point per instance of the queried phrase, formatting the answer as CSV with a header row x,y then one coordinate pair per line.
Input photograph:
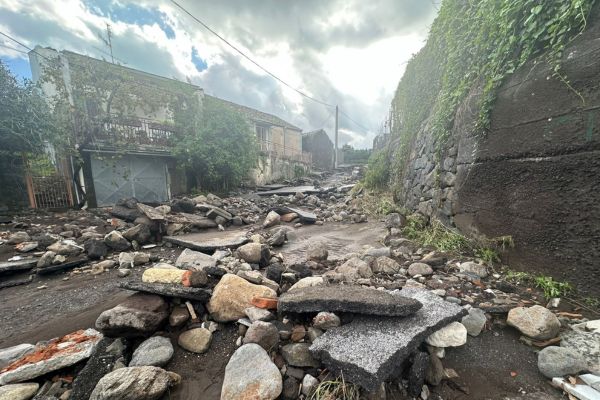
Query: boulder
x,y
586,344
255,253
134,383
278,238
395,220
116,241
18,237
156,351
66,247
233,295
139,315
46,259
19,391
354,269
307,282
272,219
385,265
475,321
190,259
537,322
298,355
163,275
250,374
419,269
326,320
140,233
316,251
473,269
196,340
554,362
452,335
52,356
265,334
95,248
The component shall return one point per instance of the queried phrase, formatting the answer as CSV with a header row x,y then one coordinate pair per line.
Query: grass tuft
x,y
337,389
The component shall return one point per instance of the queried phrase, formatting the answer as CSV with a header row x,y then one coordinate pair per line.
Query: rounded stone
x,y
537,322
18,391
155,351
452,335
196,340
265,334
475,321
133,383
326,320
250,374
419,269
554,362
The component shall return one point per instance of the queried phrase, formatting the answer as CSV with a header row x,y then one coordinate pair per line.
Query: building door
x,y
118,177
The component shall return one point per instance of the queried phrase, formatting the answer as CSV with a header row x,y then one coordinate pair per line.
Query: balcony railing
x,y
133,131
268,147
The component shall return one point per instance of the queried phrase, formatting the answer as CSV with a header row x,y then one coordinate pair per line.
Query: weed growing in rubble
x,y
487,255
337,389
434,234
546,284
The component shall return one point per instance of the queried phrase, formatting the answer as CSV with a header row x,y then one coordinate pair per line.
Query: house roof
x,y
255,115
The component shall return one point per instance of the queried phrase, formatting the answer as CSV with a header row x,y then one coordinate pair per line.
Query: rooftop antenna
x,y
108,41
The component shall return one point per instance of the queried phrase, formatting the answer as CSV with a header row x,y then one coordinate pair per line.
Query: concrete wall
x,y
274,168
320,146
534,176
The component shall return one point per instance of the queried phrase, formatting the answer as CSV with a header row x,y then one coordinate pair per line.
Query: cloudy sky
x,y
346,52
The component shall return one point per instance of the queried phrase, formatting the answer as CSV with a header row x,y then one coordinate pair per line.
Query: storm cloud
x,y
345,52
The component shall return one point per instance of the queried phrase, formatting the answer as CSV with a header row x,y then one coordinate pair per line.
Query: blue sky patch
x,y
198,62
18,66
131,14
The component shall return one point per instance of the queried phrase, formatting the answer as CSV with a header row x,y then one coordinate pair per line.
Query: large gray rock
x,y
537,322
265,334
586,344
554,362
155,351
133,383
64,352
419,269
385,265
255,253
139,315
354,269
65,247
190,259
233,295
10,354
19,391
250,374
345,298
316,251
475,321
140,233
473,269
298,355
272,219
116,241
369,349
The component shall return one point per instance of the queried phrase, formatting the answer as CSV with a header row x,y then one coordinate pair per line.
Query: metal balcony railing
x,y
268,147
133,131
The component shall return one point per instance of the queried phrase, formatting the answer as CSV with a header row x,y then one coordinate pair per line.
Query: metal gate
x,y
121,176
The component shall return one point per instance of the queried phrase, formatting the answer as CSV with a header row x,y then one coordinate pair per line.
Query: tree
x,y
219,150
26,121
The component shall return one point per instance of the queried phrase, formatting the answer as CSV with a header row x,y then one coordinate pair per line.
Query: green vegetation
x,y
378,173
337,389
473,46
547,284
26,121
218,150
355,156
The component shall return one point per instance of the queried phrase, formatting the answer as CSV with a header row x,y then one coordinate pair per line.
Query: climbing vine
x,y
478,44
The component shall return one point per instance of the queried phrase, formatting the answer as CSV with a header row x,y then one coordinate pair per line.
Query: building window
x,y
264,137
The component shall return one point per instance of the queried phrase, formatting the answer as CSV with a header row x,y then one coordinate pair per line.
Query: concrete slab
x,y
305,216
163,289
285,191
347,298
369,349
14,266
210,241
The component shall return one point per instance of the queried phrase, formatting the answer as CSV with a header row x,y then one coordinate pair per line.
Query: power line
x,y
357,123
249,58
12,48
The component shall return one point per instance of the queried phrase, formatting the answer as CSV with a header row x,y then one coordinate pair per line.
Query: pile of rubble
x,y
381,318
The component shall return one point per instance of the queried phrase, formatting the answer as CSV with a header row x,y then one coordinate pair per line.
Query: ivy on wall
x,y
478,43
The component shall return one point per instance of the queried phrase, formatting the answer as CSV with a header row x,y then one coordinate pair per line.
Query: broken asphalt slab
x,y
369,349
343,298
61,267
209,242
15,266
285,191
167,290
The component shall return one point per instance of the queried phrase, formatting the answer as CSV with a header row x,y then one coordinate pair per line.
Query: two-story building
x,y
125,120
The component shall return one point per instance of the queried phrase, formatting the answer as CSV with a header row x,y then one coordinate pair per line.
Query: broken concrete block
x,y
163,289
354,299
163,275
369,349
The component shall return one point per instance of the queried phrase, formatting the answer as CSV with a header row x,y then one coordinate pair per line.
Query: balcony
x,y
276,149
130,132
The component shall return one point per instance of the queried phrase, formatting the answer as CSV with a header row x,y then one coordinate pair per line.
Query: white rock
x,y
452,335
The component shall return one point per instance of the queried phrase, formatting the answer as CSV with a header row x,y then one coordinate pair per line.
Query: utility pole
x,y
335,155
109,42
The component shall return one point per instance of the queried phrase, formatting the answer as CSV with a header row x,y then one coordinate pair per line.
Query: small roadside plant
x,y
377,176
337,389
547,284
